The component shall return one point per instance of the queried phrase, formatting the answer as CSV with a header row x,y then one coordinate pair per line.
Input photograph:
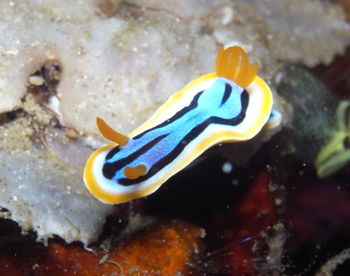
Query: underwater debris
x,y
332,263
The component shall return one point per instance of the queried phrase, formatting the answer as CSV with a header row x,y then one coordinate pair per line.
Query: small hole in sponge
x,y
44,81
11,116
108,8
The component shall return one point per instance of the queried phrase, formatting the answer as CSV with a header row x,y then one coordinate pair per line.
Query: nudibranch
x,y
232,104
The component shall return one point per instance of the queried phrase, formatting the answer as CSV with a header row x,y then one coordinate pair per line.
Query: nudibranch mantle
x,y
232,104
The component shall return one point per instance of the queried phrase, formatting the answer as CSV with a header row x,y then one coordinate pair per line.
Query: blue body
x,y
221,100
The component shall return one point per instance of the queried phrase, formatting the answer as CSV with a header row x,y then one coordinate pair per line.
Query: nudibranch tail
x,y
232,63
110,134
274,119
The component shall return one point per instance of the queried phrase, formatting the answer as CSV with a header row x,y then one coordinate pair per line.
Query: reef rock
x,y
41,178
122,66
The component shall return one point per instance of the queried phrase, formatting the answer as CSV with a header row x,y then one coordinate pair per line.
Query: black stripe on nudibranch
x,y
113,152
192,135
227,93
194,103
178,115
109,169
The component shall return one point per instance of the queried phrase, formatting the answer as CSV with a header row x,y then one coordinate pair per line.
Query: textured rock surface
x,y
41,179
121,66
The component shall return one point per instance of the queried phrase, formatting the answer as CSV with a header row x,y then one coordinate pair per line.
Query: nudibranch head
x,y
232,104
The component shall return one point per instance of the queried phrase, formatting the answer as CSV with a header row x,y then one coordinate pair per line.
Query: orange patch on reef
x,y
166,250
